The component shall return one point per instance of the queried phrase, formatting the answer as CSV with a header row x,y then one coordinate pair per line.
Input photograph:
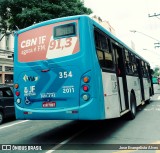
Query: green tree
x,y
18,14
156,72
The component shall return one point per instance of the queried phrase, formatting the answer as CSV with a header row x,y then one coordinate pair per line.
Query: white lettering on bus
x,y
42,39
65,74
68,89
29,91
28,43
41,47
33,42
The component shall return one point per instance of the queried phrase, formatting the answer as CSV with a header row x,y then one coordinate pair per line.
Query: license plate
x,y
49,104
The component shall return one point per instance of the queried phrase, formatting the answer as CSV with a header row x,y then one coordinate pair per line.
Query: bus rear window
x,y
64,30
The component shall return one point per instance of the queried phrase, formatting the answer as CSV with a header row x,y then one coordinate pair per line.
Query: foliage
x,y
18,14
156,72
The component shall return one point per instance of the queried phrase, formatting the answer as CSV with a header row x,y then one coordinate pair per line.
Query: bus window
x,y
134,65
109,64
131,64
144,69
108,60
103,50
128,63
100,57
135,69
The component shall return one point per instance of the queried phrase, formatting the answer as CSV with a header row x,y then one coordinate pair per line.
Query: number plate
x,y
49,104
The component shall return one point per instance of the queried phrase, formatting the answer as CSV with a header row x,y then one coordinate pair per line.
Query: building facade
x,y
104,24
6,58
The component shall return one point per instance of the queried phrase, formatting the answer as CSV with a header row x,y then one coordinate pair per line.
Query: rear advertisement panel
x,y
49,42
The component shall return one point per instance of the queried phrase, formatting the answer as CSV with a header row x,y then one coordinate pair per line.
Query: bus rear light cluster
x,y
17,93
85,87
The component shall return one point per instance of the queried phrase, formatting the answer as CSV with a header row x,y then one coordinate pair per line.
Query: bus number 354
x,y
65,74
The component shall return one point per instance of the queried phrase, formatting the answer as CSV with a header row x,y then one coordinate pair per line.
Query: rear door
x,y
121,76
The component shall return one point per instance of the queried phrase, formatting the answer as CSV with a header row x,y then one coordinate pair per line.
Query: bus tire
x,y
1,117
148,101
132,112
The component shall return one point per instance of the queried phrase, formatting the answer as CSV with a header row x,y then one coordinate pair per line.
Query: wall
x,y
6,58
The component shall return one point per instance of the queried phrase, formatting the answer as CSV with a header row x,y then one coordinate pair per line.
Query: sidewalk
x,y
156,96
156,88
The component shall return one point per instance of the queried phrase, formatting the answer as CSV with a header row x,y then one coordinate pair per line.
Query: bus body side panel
x,y
147,86
122,93
133,83
95,109
112,101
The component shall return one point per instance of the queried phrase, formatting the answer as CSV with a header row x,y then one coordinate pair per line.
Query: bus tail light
x,y
17,93
85,88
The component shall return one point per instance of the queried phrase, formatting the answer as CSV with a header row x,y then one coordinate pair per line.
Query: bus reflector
x,y
27,113
85,97
18,100
45,70
17,93
85,88
74,112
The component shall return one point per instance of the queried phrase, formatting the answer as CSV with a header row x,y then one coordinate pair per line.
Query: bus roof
x,y
118,40
76,17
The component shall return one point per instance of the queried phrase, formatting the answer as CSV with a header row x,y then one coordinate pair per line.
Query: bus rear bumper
x,y
87,111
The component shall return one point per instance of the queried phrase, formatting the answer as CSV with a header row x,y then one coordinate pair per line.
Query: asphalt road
x,y
86,136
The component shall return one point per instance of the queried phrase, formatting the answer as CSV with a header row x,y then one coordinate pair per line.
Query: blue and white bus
x,y
72,68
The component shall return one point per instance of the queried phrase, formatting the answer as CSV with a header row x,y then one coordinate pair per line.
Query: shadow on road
x,y
9,119
96,131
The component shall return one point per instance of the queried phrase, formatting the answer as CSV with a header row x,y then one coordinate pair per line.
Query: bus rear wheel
x,y
132,112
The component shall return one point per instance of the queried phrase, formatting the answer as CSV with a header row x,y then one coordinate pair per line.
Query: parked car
x,y
6,102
